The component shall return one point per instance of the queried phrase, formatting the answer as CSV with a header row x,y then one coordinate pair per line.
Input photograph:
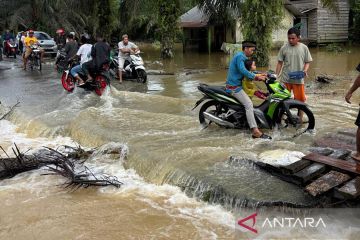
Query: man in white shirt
x,y
84,53
125,49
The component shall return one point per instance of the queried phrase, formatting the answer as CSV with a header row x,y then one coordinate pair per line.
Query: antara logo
x,y
307,222
241,222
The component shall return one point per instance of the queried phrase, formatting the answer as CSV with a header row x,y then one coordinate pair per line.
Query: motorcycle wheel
x,y
68,82
101,84
212,107
141,76
308,121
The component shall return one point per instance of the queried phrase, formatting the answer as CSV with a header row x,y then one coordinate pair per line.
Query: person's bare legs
x,y
120,75
79,79
356,155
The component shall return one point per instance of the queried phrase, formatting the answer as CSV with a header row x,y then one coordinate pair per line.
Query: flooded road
x,y
172,164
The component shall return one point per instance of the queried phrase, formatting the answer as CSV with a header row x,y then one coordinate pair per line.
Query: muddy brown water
x,y
172,163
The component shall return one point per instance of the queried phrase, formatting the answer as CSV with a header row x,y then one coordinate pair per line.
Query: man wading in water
x,y
235,76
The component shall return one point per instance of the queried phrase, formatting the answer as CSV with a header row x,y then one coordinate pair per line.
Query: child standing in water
x,y
248,85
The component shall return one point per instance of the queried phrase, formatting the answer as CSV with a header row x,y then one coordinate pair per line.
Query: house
x,y
320,25
201,33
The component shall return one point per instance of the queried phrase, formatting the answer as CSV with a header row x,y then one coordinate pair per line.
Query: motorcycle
x,y
279,109
99,84
10,48
133,69
60,61
34,59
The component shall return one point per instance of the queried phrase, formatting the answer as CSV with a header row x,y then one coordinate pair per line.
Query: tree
x,y
259,27
168,15
355,19
258,17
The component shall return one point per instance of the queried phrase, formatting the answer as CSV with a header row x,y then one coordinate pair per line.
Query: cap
x,y
248,44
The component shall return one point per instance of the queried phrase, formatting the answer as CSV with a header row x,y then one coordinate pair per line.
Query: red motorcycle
x,y
101,80
10,48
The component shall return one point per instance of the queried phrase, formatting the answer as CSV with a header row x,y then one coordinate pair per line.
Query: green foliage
x,y
169,12
107,15
259,19
49,15
355,20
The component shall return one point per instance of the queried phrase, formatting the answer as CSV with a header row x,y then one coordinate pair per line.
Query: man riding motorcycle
x,y
236,74
29,41
84,53
60,38
7,36
100,53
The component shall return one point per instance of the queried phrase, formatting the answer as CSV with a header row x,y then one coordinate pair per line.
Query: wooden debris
x,y
321,150
309,173
158,72
333,143
326,182
335,163
10,111
69,166
340,154
324,78
350,190
295,167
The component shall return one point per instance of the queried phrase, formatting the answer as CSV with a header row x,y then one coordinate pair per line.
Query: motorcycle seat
x,y
216,89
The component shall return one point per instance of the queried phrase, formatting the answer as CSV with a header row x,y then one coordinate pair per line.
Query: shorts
x,y
357,122
27,52
298,90
121,61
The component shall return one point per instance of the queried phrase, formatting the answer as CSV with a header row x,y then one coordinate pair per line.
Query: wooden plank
x,y
350,190
332,143
309,173
326,183
338,164
321,150
295,167
340,154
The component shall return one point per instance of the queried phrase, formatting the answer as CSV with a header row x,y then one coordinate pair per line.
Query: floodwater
x,y
172,164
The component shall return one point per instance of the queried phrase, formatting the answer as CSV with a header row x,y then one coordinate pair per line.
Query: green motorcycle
x,y
279,109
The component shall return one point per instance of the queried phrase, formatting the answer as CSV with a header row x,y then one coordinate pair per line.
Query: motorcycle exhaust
x,y
217,120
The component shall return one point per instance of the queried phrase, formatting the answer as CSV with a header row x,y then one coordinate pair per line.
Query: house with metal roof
x,y
319,25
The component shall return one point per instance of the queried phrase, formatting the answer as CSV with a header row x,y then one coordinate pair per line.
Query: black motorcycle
x,y
279,109
34,59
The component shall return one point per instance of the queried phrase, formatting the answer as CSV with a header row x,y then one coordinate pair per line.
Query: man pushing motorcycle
x,y
236,74
125,49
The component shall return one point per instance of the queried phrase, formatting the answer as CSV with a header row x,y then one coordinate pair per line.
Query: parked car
x,y
46,42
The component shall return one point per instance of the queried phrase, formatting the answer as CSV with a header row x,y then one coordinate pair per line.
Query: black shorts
x,y
357,122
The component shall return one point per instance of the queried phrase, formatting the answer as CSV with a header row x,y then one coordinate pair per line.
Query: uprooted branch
x,y
70,166
10,111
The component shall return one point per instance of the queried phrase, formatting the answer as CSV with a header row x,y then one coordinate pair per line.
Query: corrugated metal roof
x,y
194,18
